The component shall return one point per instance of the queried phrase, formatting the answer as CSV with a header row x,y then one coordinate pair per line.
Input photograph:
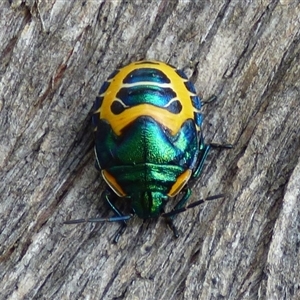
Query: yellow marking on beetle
x,y
170,120
111,181
180,183
129,85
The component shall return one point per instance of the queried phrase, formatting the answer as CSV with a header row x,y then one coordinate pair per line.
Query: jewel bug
x,y
148,141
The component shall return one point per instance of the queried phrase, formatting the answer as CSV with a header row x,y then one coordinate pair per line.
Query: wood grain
x,y
54,55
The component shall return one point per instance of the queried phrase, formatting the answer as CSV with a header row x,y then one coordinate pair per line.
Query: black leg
x,y
106,195
210,99
181,203
224,146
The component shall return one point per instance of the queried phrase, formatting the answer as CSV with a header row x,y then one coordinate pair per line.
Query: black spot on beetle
x,y
117,108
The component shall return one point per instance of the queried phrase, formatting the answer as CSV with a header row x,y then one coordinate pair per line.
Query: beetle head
x,y
148,204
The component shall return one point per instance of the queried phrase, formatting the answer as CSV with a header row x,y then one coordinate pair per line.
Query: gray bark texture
x,y
54,56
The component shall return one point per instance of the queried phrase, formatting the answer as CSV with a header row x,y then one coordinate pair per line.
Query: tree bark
x,y
54,57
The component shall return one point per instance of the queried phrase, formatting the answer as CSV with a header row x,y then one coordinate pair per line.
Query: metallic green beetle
x,y
148,140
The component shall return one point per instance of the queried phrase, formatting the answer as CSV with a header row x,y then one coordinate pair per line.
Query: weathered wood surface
x,y
54,56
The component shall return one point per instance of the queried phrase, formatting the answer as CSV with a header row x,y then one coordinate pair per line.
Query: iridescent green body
x,y
148,136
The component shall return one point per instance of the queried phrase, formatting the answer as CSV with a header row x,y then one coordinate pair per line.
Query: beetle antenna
x,y
98,220
193,204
